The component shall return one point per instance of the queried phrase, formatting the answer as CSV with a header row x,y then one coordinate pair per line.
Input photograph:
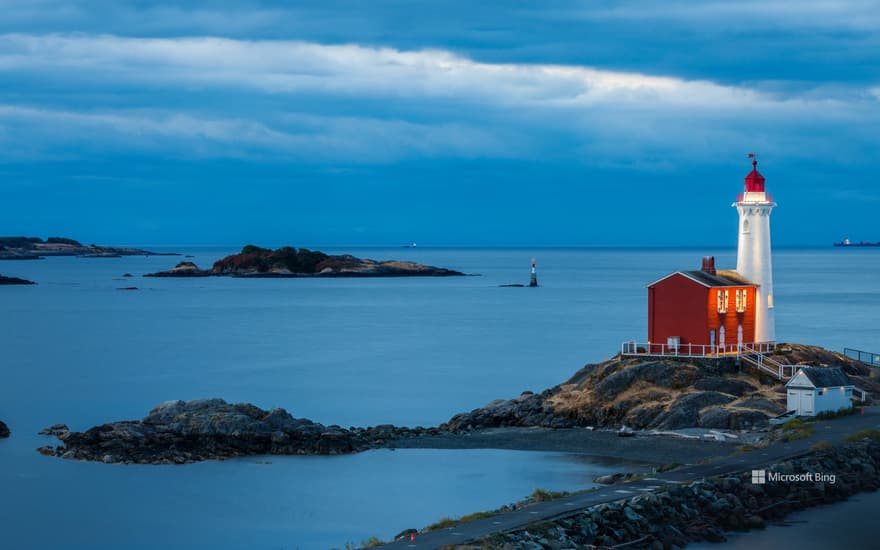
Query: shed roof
x,y
826,377
722,277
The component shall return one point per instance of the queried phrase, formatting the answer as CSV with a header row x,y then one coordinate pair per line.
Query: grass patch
x,y
442,523
446,522
821,446
541,529
476,515
745,448
543,495
668,467
371,542
796,429
863,434
828,415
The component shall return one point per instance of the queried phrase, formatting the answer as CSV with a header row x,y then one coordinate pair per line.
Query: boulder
x,y
725,385
732,418
656,372
684,412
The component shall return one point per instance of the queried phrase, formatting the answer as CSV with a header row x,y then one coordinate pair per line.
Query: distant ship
x,y
847,242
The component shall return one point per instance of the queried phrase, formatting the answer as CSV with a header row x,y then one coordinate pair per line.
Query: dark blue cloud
x,y
445,122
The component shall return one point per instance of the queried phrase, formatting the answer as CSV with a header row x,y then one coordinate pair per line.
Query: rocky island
x,y
288,261
14,281
181,432
35,248
4,430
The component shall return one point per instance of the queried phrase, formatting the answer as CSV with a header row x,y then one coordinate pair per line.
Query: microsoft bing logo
x,y
759,477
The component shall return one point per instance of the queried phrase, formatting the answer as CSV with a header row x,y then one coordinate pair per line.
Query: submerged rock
x,y
4,430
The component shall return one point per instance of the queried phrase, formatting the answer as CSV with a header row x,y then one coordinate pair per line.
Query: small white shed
x,y
814,390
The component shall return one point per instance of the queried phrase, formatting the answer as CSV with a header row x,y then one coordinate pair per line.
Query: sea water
x,y
409,351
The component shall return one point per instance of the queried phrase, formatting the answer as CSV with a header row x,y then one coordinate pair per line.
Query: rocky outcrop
x,y
652,394
34,248
529,409
14,281
705,510
4,430
665,394
254,261
180,432
183,269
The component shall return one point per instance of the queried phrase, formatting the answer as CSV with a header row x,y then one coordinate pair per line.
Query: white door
x,y
806,407
794,401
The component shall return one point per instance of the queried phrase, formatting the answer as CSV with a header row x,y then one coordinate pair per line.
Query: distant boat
x,y
848,243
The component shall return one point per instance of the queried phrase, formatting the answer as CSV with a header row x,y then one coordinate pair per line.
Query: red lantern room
x,y
755,181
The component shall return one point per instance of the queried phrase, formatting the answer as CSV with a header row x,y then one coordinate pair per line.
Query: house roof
x,y
825,377
722,277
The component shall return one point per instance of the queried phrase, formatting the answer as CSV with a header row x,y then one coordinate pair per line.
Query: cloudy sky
x,y
348,122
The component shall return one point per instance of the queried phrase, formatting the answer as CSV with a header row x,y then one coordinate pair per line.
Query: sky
x,y
383,122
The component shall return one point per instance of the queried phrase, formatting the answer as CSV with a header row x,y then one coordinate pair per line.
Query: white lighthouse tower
x,y
753,253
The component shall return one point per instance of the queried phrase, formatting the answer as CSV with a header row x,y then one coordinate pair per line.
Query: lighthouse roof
x,y
754,180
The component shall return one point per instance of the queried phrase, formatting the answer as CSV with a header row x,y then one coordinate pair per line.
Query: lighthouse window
x,y
745,226
741,299
722,298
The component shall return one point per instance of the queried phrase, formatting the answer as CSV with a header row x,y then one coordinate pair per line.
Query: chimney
x,y
708,265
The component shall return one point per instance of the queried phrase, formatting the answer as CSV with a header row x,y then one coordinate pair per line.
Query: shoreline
x,y
857,470
709,508
652,449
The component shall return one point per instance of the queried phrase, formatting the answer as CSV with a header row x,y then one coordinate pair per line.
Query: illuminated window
x,y
741,300
722,298
770,301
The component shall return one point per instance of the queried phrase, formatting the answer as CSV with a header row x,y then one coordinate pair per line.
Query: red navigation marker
x,y
412,537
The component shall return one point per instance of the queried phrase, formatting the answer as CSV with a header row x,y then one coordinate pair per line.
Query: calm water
x,y
344,351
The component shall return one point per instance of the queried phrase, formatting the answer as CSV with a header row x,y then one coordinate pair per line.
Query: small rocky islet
x,y
181,432
641,393
14,281
36,248
254,261
4,430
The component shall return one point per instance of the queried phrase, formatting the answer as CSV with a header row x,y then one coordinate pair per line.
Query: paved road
x,y
832,431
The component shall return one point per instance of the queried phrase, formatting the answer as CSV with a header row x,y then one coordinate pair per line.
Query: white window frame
x,y
722,298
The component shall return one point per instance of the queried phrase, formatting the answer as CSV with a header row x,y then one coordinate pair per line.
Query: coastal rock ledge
x,y
181,432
